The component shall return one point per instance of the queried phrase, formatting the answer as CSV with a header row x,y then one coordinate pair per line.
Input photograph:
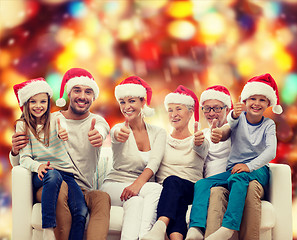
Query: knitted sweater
x,y
183,159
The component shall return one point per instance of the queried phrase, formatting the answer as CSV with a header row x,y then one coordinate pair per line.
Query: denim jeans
x,y
237,184
51,183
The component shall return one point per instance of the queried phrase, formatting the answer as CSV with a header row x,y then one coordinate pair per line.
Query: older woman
x,y
138,149
181,166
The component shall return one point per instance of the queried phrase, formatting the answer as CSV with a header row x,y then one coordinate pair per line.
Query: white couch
x,y
276,222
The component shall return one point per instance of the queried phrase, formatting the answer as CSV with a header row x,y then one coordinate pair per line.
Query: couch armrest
x,y
22,200
280,195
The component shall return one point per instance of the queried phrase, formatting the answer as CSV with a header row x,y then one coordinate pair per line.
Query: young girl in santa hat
x,y
181,167
253,146
138,148
46,156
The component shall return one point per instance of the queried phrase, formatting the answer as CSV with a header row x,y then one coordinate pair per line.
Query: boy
x,y
253,140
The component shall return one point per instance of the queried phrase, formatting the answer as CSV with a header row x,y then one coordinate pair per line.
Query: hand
x,y
43,170
62,133
123,134
238,108
95,137
130,191
19,141
198,135
240,167
216,133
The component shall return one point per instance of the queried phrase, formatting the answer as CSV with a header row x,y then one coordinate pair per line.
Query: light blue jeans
x,y
237,184
51,184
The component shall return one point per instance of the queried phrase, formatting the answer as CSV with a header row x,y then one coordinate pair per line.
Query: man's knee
x,y
255,193
97,198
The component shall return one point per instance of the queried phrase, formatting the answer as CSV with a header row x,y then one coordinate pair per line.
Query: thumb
x,y
93,124
48,163
196,127
59,123
214,123
239,99
127,122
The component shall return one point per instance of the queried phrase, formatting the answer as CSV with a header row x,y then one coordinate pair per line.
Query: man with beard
x,y
84,133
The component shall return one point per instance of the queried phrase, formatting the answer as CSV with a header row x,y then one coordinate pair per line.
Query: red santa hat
x,y
134,86
185,96
76,76
27,89
263,85
217,92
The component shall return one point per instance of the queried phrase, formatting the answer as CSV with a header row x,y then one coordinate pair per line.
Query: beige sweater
x,y
183,159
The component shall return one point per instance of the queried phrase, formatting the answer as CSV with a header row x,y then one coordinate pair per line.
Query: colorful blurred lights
x,y
180,9
181,29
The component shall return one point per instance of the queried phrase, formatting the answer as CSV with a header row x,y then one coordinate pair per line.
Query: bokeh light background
x,y
197,43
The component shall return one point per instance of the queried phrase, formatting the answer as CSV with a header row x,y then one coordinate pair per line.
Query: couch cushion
x,y
268,217
36,219
116,219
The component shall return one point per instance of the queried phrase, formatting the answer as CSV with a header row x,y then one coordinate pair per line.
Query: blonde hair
x,y
31,124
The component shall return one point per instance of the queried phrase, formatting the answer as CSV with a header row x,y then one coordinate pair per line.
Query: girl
x,y
46,156
138,148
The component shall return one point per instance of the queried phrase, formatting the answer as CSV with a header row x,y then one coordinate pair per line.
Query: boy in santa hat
x,y
253,146
85,132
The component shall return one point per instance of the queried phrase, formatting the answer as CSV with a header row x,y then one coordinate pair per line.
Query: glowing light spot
x,y
106,67
77,9
54,80
181,29
212,28
246,67
126,30
283,60
180,9
65,60
289,91
272,9
83,48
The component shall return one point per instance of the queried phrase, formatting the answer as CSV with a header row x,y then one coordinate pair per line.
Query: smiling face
x,y
81,98
131,107
256,105
221,115
179,115
38,105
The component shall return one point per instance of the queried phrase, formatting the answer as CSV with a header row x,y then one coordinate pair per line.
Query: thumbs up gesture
x,y
122,135
198,135
95,137
62,133
216,133
238,108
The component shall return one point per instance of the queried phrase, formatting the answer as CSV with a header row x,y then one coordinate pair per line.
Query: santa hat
x,y
219,93
76,76
134,86
185,96
263,85
27,89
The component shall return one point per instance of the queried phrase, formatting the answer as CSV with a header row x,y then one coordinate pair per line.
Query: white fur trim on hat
x,y
178,99
259,88
216,95
129,90
33,88
85,81
147,111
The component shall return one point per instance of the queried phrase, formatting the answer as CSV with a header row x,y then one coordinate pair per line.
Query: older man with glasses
x,y
216,103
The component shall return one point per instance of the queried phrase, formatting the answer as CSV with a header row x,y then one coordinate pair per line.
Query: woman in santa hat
x,y
181,167
138,148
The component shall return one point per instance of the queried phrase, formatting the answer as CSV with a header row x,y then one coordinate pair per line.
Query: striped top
x,y
36,153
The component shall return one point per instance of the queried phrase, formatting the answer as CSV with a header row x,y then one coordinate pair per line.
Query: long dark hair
x,y
31,123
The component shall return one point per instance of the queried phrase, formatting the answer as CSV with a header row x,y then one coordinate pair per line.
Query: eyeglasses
x,y
216,109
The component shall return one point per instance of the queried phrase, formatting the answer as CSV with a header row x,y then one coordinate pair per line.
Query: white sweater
x,y
183,159
127,161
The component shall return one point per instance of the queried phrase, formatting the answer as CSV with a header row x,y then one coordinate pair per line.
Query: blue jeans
x,y
51,184
237,184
